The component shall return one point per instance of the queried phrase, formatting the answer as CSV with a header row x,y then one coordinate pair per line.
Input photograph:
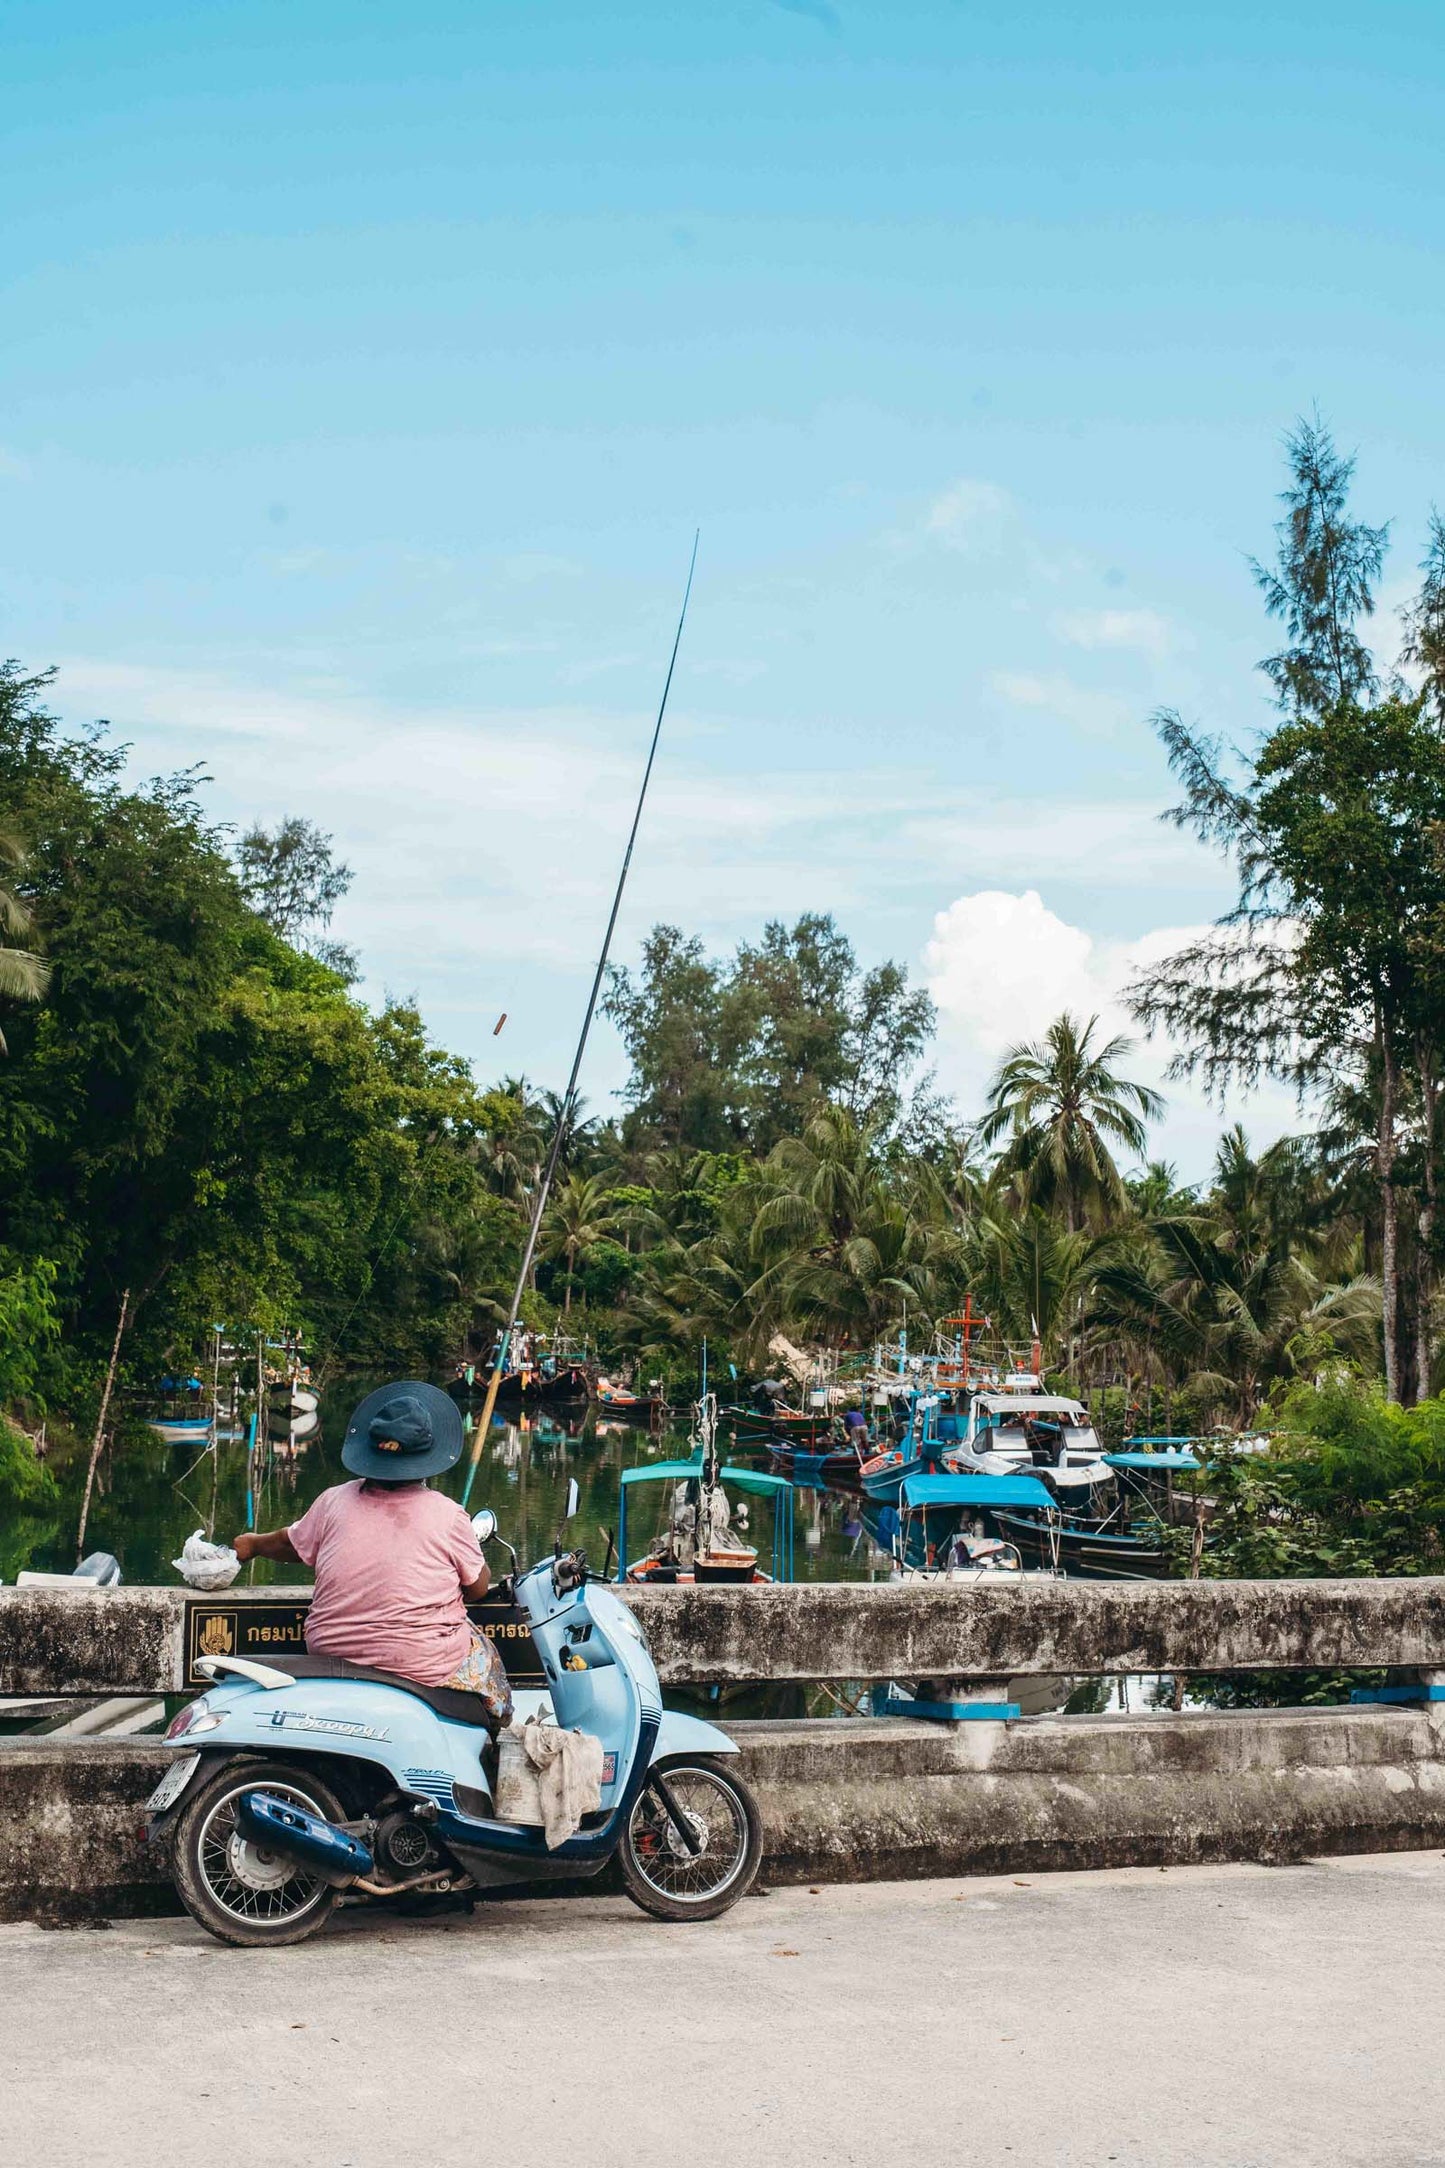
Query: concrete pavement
x,y
1200,2015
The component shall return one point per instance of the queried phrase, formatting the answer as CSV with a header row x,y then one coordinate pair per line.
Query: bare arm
x,y
276,1545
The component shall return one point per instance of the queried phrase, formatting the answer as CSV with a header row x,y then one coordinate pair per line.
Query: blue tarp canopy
x,y
975,1490
686,1471
1158,1463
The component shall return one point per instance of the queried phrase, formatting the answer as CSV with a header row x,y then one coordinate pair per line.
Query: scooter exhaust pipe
x,y
278,1825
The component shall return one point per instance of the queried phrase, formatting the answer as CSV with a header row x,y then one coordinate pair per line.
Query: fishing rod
x,y
569,1097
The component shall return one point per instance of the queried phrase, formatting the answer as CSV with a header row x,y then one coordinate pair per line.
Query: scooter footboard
x,y
679,1734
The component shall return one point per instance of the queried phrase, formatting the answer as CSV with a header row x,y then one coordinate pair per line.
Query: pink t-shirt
x,y
390,1569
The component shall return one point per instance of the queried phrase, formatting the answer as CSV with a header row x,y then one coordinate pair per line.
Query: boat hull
x,y
568,1388
1084,1554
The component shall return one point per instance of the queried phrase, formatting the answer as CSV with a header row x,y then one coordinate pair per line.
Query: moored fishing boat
x,y
181,1429
1004,1432
918,1452
698,1541
620,1404
839,1468
1116,1546
535,1370
941,1528
767,1420
1084,1550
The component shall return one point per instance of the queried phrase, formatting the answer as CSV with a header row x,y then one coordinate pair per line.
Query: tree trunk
x,y
95,1442
1424,1276
1389,1228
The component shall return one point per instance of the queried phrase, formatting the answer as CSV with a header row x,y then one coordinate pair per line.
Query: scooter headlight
x,y
633,1626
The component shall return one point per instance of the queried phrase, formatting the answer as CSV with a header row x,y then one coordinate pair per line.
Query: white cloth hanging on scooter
x,y
569,1776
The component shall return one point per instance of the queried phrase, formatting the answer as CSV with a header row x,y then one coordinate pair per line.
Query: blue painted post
x,y
251,1474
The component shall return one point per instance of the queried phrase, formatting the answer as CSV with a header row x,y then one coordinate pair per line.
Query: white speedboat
x,y
1045,1434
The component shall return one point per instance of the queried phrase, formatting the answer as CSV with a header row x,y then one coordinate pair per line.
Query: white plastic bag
x,y
207,1566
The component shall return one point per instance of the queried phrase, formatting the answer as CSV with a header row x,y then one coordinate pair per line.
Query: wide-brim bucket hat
x,y
403,1433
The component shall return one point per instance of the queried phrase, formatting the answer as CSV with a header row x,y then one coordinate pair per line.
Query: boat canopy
x,y
975,1490
1160,1463
688,1471
1031,1404
776,1487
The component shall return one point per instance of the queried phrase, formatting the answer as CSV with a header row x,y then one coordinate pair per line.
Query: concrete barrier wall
x,y
132,1639
858,1800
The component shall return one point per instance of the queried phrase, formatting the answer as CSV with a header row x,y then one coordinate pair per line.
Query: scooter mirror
x,y
574,1498
485,1524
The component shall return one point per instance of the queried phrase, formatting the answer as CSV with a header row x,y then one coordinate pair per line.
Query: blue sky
x,y
366,370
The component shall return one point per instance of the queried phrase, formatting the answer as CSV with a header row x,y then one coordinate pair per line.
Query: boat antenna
x,y
569,1098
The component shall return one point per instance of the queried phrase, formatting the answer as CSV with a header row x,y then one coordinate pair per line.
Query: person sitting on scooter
x,y
396,1563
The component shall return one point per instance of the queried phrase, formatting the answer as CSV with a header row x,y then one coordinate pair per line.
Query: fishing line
x,y
569,1097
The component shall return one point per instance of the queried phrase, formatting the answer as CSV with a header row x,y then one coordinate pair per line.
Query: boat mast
x,y
564,1112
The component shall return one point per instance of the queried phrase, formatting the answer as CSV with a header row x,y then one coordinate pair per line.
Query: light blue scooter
x,y
313,1781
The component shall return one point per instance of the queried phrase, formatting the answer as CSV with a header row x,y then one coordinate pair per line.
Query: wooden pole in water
x,y
100,1426
564,1112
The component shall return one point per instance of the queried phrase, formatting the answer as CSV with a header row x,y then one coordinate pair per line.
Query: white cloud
x,y
968,512
1062,698
1037,838
1143,632
1002,966
485,846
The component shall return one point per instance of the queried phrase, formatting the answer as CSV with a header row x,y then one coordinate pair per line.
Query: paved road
x,y
1237,2015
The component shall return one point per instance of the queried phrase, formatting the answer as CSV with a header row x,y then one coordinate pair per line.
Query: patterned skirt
x,y
481,1671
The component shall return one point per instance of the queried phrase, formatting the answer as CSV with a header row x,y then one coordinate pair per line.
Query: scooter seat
x,y
448,1701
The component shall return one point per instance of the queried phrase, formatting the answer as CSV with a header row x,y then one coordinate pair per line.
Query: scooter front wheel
x,y
237,1890
693,1842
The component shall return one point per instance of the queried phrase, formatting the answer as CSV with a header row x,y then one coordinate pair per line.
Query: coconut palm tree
x,y
1063,1106
841,1247
1031,1277
580,1132
1230,1320
578,1217
24,976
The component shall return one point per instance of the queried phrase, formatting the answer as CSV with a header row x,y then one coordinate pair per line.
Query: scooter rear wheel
x,y
238,1891
661,1873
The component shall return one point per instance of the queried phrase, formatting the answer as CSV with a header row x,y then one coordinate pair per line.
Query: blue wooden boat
x,y
918,1452
182,1429
940,1524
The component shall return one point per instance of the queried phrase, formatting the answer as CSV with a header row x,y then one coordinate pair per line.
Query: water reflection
x,y
151,1495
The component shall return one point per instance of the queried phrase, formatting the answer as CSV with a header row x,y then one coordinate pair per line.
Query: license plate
x,y
173,1783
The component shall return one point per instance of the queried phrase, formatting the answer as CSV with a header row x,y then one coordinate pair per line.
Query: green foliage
x,y
1064,1108
26,1484
740,1054
29,1501
29,1328
201,1113
1353,1484
1329,971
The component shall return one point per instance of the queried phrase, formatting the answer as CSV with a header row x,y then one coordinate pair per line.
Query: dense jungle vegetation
x,y
200,1121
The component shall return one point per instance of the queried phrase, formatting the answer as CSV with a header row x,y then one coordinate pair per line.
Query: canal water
x,y
151,1495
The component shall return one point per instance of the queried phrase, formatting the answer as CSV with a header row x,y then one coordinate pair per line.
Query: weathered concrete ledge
x,y
848,1630
131,1639
866,1799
